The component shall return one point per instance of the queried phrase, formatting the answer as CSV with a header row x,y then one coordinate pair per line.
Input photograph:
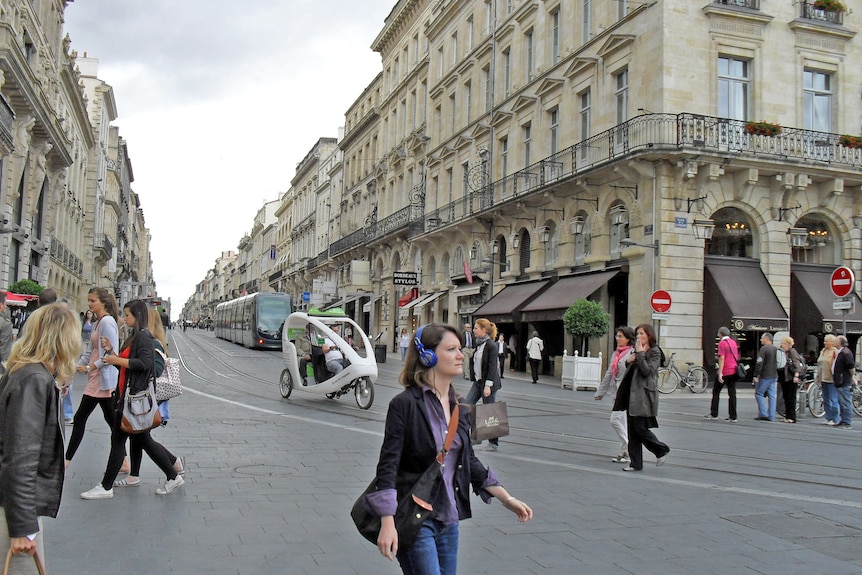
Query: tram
x,y
254,320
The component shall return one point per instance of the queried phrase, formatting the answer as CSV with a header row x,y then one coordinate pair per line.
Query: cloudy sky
x,y
218,101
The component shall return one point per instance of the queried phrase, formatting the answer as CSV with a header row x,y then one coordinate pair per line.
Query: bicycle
x,y
669,378
812,392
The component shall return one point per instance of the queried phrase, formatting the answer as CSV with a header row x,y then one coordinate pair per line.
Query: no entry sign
x,y
660,301
842,281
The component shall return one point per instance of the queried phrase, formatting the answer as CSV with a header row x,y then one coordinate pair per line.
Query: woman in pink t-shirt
x,y
728,358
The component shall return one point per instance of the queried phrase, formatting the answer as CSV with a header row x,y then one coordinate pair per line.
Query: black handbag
x,y
414,506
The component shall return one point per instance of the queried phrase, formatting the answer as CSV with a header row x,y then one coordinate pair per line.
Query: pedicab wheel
x,y
285,383
364,392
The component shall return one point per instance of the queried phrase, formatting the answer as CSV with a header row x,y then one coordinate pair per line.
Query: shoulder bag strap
x,y
450,435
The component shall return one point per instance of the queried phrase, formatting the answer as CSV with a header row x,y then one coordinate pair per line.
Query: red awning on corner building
x,y
19,299
408,297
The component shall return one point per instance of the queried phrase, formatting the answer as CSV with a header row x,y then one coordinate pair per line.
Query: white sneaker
x,y
98,492
171,485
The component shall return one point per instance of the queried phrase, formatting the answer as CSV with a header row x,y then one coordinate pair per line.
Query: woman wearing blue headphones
x,y
416,426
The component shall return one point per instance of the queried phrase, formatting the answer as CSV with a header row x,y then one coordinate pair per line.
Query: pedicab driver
x,y
333,356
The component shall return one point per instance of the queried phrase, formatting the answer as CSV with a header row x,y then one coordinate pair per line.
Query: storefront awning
x,y
737,294
554,301
19,299
366,307
410,296
428,299
468,289
417,301
509,300
811,302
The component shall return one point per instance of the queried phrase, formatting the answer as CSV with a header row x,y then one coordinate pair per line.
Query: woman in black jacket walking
x,y
136,363
31,441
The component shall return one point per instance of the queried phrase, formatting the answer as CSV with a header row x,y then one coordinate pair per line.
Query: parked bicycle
x,y
670,378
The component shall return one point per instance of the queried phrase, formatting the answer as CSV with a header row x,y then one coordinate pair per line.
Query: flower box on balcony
x,y
829,6
850,141
762,129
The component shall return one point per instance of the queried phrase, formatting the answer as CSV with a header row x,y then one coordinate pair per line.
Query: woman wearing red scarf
x,y
609,385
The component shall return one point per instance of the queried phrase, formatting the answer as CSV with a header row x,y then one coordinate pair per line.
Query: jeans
x,y
766,388
68,409
845,403
473,396
830,401
435,551
335,366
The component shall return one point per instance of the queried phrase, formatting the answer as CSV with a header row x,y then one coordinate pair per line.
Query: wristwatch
x,y
89,368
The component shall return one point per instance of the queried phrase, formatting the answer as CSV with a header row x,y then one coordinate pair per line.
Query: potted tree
x,y
584,319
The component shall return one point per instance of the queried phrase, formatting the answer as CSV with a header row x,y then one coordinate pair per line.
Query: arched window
x,y
551,243
432,270
823,245
445,267
524,258
732,236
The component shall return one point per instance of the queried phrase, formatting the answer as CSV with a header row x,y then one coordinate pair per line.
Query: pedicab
x,y
357,352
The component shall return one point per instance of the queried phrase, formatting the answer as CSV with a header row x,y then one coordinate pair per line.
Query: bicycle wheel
x,y
856,398
696,379
668,380
815,400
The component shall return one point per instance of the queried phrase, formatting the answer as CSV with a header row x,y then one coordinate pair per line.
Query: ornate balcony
x,y
811,11
752,4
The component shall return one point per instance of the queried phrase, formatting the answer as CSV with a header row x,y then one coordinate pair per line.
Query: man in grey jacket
x,y
765,379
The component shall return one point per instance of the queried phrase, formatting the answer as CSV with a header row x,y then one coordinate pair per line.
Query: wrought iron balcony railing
x,y
7,118
648,133
811,12
752,4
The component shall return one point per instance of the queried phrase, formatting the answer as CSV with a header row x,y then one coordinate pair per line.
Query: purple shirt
x,y
384,502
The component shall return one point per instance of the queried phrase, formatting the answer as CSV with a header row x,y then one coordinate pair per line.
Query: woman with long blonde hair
x,y
32,465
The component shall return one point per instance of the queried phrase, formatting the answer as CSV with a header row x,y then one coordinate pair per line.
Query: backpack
x,y
780,358
663,358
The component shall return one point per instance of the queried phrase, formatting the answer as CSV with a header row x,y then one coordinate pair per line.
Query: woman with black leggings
x,y
101,377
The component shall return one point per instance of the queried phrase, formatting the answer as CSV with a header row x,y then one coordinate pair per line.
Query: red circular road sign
x,y
842,281
660,301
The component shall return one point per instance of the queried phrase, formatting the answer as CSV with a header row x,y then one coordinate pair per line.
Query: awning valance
x,y
467,289
552,303
427,300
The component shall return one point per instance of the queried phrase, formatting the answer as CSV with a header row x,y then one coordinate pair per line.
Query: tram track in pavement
x,y
733,467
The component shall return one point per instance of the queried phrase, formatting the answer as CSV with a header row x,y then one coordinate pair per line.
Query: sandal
x,y
126,483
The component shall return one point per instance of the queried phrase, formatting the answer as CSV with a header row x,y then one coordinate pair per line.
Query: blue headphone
x,y
427,357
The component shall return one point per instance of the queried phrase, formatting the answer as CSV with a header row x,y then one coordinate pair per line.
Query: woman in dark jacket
x,y
31,441
485,368
416,425
640,387
136,363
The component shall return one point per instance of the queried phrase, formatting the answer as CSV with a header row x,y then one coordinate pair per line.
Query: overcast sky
x,y
218,101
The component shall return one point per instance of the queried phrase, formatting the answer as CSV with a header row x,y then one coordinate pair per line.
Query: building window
x,y
510,5
555,37
822,246
504,157
528,54
465,180
817,101
732,236
469,33
528,142
621,94
551,245
586,25
468,100
554,121
489,87
454,110
442,62
454,48
416,49
734,87
489,16
585,122
622,9
507,71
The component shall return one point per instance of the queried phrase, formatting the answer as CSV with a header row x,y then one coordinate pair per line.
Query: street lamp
x,y
797,237
703,229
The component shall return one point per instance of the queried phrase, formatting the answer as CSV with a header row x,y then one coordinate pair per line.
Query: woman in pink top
x,y
728,358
